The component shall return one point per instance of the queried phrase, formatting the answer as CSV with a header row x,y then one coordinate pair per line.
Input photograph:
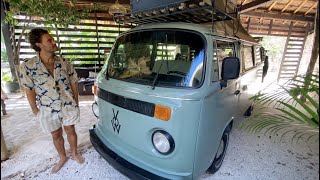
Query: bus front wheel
x,y
217,162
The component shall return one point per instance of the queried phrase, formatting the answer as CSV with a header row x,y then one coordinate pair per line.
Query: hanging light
x,y
117,8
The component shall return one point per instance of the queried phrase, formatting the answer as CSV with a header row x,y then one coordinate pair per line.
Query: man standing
x,y
51,87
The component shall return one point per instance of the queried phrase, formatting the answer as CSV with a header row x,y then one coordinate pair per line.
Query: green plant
x,y
54,12
281,112
6,76
4,56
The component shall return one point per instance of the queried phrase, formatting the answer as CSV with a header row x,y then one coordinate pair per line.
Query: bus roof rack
x,y
193,11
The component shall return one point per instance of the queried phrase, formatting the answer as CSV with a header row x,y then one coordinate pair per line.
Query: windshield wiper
x,y
156,77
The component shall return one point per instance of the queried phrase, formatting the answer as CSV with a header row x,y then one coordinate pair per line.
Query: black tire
x,y
92,108
222,149
248,111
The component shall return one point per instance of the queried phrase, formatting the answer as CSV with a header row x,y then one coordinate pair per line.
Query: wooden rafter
x,y
254,5
300,6
313,6
278,16
286,6
272,5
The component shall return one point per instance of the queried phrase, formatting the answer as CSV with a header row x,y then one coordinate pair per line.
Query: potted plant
x,y
9,84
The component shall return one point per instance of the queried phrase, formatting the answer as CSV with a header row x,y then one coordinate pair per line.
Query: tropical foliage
x,y
281,112
53,11
6,76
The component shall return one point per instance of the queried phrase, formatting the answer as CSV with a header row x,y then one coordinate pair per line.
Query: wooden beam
x,y
313,6
300,6
248,26
122,2
315,47
7,41
270,26
254,5
286,6
278,16
273,4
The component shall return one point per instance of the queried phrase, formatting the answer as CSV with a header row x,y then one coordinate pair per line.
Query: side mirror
x,y
230,69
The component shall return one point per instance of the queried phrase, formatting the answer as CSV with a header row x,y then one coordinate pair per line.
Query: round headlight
x,y
95,109
163,142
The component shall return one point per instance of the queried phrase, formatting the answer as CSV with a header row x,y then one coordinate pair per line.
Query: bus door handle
x,y
237,92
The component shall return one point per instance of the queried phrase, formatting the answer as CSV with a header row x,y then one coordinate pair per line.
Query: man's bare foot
x,y
79,159
59,165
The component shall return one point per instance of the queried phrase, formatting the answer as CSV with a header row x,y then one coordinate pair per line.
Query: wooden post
x,y
8,42
4,150
315,47
314,52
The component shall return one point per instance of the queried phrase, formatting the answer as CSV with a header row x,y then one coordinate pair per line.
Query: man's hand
x,y
74,88
31,96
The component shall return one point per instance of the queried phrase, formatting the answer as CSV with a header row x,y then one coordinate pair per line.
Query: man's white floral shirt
x,y
53,93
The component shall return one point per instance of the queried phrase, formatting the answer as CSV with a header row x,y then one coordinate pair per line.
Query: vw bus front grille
x,y
127,103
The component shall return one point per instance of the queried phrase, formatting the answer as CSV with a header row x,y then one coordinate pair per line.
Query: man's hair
x,y
35,37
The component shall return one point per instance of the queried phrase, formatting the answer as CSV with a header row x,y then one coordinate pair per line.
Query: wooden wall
x,y
86,45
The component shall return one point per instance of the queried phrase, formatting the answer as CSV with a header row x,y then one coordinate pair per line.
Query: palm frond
x,y
288,114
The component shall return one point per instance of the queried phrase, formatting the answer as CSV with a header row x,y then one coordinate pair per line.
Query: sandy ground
x,y
249,156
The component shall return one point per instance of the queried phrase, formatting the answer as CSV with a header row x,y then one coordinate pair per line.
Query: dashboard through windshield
x,y
171,58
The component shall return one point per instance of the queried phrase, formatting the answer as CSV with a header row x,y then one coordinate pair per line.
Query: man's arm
x,y
31,96
74,88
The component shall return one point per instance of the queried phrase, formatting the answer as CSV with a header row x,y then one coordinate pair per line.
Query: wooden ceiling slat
x,y
300,6
313,6
278,16
287,5
272,5
253,5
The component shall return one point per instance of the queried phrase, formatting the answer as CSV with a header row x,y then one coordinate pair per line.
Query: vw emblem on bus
x,y
115,122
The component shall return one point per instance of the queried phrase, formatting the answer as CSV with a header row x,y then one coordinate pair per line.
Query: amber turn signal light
x,y
94,89
162,112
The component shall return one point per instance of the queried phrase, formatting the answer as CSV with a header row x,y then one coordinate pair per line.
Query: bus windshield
x,y
171,58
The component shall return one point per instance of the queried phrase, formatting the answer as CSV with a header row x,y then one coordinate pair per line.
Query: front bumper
x,y
128,169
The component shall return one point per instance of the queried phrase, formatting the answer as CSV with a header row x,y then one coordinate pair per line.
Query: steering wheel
x,y
177,72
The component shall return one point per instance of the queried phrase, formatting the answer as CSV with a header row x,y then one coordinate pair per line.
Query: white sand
x,y
32,154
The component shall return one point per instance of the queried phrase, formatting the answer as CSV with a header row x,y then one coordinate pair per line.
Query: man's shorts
x,y
50,122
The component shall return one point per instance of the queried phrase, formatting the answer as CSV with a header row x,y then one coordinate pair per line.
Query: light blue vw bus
x,y
167,98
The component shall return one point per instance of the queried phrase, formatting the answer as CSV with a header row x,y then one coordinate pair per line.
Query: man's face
x,y
47,44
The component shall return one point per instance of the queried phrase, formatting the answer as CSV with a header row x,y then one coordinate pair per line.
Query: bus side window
x,y
247,57
224,49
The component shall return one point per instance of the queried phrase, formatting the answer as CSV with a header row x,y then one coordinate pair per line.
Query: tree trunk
x,y
16,56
